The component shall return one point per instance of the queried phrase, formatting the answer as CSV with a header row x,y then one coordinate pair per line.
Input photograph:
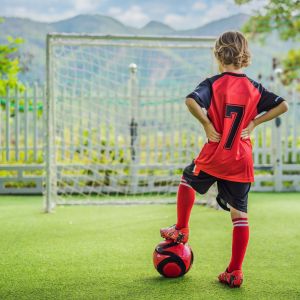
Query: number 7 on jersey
x,y
235,112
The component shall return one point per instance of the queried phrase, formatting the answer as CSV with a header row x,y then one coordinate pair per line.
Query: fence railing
x,y
276,144
22,126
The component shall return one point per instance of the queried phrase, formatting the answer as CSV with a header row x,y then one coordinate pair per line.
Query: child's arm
x,y
271,114
199,114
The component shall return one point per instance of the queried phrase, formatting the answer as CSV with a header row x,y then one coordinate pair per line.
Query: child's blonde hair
x,y
232,48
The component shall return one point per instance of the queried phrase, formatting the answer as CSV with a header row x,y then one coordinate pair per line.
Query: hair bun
x,y
231,48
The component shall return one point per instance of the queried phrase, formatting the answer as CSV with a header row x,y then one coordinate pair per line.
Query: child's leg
x,y
185,202
240,238
201,182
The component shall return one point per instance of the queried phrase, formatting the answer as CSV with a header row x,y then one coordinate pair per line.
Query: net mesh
x,y
117,123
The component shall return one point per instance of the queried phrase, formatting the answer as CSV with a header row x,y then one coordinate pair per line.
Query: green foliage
x,y
282,16
9,65
291,65
242,1
21,106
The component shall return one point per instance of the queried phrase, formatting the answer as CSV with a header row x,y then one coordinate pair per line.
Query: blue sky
x,y
176,13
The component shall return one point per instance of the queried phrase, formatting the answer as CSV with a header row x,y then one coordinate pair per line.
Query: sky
x,y
178,14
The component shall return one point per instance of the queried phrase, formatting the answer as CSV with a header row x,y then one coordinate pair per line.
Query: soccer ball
x,y
171,259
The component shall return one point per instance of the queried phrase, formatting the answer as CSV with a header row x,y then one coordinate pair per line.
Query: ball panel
x,y
157,258
171,260
172,270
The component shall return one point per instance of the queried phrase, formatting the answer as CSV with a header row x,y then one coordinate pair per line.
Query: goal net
x,y
117,125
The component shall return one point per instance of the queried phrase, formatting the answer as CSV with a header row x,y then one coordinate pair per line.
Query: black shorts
x,y
229,192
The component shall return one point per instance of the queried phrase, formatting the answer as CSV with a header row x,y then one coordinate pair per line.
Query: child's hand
x,y
247,131
211,133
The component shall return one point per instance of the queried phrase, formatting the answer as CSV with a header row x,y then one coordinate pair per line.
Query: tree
x,y
9,65
282,16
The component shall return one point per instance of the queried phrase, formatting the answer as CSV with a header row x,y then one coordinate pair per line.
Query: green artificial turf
x,y
105,252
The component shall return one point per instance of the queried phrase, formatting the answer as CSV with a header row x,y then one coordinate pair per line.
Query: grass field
x,y
105,252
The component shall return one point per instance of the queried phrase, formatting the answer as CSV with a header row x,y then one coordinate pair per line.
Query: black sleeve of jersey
x,y
202,94
267,101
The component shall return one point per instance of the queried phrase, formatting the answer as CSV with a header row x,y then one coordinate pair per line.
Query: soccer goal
x,y
117,128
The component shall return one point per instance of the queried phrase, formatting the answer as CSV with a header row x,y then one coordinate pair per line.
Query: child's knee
x,y
237,213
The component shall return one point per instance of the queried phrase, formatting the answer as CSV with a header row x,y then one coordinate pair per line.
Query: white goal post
x,y
116,123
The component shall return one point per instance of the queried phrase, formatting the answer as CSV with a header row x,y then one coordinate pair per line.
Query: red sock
x,y
185,201
240,239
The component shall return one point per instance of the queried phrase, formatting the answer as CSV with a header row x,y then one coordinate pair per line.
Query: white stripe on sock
x,y
238,225
234,221
237,222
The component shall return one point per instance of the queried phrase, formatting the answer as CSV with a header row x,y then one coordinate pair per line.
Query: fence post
x,y
278,145
278,156
17,125
134,150
35,130
7,125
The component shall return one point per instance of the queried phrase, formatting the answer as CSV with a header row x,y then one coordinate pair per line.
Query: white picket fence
x,y
276,150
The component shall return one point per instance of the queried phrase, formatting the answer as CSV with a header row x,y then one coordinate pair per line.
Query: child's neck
x,y
231,69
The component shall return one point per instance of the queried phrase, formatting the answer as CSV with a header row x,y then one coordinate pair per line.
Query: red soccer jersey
x,y
231,100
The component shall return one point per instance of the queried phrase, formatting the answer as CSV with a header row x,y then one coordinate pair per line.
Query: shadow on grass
x,y
161,279
191,281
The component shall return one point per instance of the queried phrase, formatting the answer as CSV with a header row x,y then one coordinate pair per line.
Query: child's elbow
x,y
188,101
285,106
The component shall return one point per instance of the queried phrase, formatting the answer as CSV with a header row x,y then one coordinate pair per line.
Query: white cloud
x,y
133,16
115,11
179,21
51,13
85,5
247,8
24,12
199,5
217,11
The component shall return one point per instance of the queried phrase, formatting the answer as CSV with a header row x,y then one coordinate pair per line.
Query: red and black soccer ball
x,y
171,259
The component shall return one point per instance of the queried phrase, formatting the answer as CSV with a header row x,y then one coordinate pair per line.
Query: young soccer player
x,y
227,106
